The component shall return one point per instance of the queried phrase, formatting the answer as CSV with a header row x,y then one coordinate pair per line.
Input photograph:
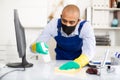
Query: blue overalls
x,y
68,48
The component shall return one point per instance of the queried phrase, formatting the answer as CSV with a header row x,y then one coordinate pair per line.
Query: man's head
x,y
70,15
70,18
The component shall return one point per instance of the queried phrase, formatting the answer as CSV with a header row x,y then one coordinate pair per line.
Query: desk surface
x,y
45,71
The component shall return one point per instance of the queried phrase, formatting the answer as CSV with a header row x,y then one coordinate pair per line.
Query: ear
x,y
78,20
61,15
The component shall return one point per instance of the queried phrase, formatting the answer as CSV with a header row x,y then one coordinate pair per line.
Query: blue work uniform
x,y
68,48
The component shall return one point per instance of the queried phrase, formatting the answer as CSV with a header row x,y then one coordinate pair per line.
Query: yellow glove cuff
x,y
82,60
33,47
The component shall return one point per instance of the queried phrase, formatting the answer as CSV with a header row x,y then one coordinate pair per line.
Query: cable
x,y
10,72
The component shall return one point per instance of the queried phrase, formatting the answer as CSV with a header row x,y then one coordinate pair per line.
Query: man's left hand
x,y
69,65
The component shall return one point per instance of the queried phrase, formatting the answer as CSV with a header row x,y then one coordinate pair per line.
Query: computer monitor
x,y
21,43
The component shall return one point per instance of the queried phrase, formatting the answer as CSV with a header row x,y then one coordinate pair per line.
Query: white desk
x,y
42,71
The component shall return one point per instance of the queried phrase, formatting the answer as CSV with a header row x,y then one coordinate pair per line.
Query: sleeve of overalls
x,y
88,48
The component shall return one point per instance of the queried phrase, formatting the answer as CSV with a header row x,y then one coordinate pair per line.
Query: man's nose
x,y
68,24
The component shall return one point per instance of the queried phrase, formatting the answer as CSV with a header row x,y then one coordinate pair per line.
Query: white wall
x,y
57,6
6,17
33,15
31,12
8,48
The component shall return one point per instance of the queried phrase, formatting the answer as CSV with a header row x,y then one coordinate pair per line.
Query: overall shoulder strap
x,y
59,24
81,25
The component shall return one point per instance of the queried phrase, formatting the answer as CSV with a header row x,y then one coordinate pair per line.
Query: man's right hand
x,y
39,47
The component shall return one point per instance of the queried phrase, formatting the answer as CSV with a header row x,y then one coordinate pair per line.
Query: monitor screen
x,y
21,43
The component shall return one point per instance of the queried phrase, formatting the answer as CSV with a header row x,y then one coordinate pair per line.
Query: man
x,y
75,39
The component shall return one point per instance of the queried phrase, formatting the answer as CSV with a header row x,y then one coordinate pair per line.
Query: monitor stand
x,y
23,64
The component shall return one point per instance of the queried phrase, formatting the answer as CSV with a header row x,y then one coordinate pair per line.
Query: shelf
x,y
107,28
106,9
105,47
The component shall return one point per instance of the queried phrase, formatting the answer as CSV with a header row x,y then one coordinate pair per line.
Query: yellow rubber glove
x,y
82,60
79,62
33,47
39,47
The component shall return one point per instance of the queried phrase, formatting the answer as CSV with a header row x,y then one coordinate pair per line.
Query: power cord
x,y
11,72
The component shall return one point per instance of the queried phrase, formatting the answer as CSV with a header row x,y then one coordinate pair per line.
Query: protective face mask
x,y
68,29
